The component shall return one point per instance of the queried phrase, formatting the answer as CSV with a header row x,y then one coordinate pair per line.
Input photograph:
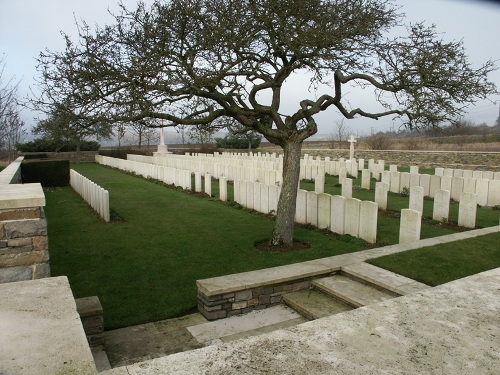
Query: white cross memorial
x,y
351,141
162,147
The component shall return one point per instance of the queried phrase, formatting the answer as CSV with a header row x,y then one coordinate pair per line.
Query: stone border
x,y
225,296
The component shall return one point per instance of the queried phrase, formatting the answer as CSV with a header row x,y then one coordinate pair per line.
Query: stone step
x,y
313,304
217,330
350,291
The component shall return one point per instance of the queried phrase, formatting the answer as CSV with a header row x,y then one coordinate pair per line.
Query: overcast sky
x,y
30,26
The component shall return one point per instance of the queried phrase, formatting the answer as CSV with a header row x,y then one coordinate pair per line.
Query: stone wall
x,y
489,161
243,301
24,253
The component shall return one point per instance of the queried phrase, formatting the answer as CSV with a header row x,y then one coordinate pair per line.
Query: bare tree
x,y
191,62
11,125
340,134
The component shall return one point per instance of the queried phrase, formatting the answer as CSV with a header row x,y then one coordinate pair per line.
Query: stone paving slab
x,y
449,329
129,345
351,291
40,329
314,304
385,279
208,332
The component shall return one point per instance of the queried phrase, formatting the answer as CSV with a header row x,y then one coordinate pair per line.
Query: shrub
x,y
35,156
121,153
48,145
233,142
49,173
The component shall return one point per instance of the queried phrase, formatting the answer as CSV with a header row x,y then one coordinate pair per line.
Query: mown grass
x,y
145,268
436,265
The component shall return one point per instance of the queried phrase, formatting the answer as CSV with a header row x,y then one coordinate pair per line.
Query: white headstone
x,y
488,175
337,219
250,197
404,181
477,175
467,209
414,179
208,184
312,208
435,185
458,173
347,188
439,171
393,168
386,178
448,172
417,198
352,206
264,199
441,209
223,189
446,183
319,183
467,173
469,185
425,182
494,193
361,164
365,179
301,208
257,199
414,169
482,187
409,227
324,210
395,182
368,221
457,186
197,182
381,190
274,193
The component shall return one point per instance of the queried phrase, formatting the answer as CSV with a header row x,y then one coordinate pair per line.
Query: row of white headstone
x,y
93,194
323,211
170,176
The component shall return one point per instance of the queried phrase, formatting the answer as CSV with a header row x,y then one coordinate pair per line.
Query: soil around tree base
x,y
297,245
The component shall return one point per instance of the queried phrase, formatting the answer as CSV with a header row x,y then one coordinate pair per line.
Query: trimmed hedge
x,y
35,156
49,173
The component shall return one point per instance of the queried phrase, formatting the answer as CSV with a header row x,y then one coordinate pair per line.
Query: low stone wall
x,y
24,253
12,173
424,159
91,315
243,301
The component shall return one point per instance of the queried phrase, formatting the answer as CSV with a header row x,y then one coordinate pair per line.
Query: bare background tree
x,y
11,125
340,134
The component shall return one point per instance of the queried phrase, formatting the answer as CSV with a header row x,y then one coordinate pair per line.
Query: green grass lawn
x,y
436,265
145,267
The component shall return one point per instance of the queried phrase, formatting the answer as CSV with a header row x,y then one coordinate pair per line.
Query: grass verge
x,y
439,264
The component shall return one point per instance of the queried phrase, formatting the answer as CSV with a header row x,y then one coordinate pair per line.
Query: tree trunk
x,y
78,151
285,216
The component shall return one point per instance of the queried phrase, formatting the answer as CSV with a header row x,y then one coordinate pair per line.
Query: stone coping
x,y
21,196
281,274
40,329
10,171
